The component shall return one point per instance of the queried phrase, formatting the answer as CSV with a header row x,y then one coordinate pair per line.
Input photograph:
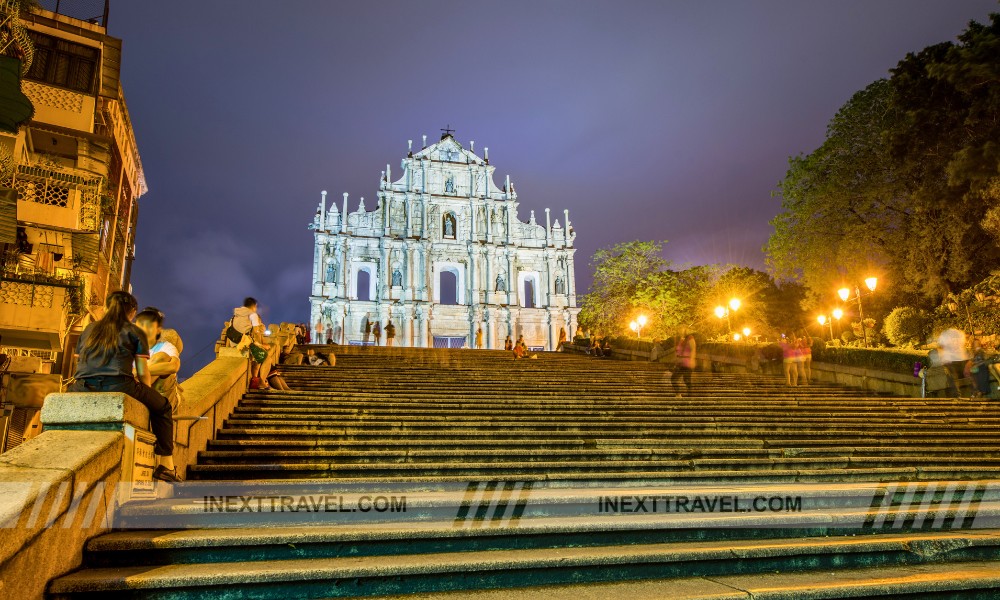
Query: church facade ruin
x,y
443,254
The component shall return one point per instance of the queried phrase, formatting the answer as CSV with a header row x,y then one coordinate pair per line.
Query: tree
x,y
907,326
633,278
904,181
627,278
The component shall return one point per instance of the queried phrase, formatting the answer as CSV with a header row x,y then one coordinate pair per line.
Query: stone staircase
x,y
465,474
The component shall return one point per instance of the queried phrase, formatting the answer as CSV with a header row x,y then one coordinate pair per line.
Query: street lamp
x,y
823,320
746,332
724,312
637,325
845,294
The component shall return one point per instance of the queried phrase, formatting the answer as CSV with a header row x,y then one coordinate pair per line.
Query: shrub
x,y
895,360
907,326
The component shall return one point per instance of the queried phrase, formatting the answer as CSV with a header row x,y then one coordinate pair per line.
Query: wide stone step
x,y
483,475
970,580
498,432
357,576
648,471
236,448
747,457
594,422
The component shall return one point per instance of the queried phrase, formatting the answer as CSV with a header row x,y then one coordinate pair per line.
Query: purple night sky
x,y
647,120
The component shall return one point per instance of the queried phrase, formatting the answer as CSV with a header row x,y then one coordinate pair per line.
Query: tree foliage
x,y
633,278
904,184
907,326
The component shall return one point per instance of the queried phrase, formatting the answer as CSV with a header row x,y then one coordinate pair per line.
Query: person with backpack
x,y
107,351
247,322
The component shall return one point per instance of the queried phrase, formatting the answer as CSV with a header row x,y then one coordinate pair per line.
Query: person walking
x,y
951,352
479,338
390,333
789,354
562,339
377,333
107,350
367,328
685,351
805,359
979,370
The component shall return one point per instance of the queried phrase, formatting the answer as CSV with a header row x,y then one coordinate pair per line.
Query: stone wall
x,y
56,491
875,380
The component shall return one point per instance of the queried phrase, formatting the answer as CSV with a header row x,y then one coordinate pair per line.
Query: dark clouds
x,y
653,120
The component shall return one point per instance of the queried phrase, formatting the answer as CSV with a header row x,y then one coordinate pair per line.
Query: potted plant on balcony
x,y
16,53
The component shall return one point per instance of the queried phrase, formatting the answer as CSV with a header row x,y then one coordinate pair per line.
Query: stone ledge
x,y
93,411
56,491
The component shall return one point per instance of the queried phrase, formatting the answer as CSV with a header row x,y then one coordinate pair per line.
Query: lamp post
x,y
824,320
724,312
637,326
845,294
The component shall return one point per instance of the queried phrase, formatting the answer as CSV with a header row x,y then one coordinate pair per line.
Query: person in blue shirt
x,y
107,350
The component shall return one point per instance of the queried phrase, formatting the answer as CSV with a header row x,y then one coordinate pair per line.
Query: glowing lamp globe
x,y
720,312
844,294
746,332
734,304
821,319
633,326
736,337
871,282
642,320
837,313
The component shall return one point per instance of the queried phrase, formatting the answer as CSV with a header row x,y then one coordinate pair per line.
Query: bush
x,y
907,326
895,360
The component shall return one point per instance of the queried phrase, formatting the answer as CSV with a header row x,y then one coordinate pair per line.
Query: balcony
x,y
50,198
34,308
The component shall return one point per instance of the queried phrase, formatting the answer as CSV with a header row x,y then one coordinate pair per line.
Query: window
x,y
448,286
364,285
64,64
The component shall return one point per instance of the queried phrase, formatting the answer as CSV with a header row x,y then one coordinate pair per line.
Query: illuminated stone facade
x,y
442,255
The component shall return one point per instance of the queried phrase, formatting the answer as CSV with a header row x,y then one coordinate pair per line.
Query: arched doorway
x,y
529,293
448,286
364,285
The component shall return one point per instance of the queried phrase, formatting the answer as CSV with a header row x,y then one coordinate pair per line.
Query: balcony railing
x,y
48,187
91,11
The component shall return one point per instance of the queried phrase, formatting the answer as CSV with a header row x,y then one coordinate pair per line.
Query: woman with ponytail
x,y
107,350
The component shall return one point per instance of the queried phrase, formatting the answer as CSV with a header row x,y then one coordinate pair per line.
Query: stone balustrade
x,y
95,452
